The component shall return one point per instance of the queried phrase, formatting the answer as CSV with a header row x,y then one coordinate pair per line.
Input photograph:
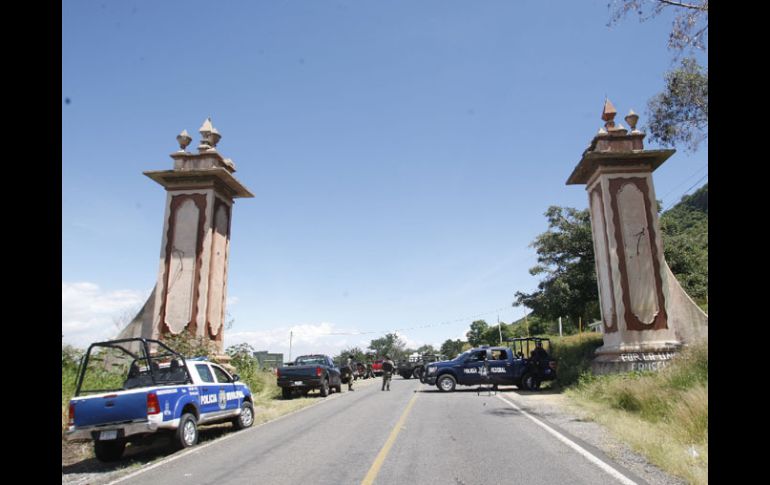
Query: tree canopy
x,y
679,114
391,345
566,259
450,348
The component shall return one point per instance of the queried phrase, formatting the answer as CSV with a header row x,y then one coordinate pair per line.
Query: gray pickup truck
x,y
307,373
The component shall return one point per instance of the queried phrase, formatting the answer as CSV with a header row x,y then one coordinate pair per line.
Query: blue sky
x,y
402,153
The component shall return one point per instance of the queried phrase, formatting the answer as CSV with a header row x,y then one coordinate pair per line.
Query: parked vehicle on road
x,y
492,365
132,390
414,365
377,367
307,373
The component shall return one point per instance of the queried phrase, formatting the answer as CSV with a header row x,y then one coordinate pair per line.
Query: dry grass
x,y
663,416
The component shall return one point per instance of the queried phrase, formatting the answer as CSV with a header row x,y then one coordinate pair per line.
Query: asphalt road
x,y
413,434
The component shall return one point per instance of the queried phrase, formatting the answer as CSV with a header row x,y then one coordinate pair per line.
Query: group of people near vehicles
x,y
537,356
388,367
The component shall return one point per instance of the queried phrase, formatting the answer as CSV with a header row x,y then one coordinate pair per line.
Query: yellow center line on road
x,y
375,469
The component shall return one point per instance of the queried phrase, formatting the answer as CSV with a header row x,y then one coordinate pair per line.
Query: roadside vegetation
x,y
662,415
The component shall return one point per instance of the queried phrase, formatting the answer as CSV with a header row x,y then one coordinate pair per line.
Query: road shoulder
x,y
556,409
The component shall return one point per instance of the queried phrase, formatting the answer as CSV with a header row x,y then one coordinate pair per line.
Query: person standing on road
x,y
350,366
387,372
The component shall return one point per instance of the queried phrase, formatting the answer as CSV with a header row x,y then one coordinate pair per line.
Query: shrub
x,y
574,354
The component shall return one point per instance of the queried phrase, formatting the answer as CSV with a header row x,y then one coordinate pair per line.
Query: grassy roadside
x,y
663,416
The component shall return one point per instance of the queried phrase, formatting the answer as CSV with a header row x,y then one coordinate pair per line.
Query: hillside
x,y
685,242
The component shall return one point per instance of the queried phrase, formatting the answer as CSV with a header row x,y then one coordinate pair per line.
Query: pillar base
x,y
618,362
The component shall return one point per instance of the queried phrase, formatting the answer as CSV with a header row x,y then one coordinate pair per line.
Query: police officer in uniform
x,y
387,372
350,366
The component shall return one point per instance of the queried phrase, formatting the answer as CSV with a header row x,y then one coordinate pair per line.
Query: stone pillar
x,y
191,288
641,301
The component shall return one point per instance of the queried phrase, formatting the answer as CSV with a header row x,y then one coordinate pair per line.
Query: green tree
x,y
685,231
358,355
492,335
391,344
450,348
566,259
678,115
689,30
476,334
426,349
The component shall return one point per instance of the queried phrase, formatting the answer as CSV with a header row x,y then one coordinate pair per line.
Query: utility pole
x,y
526,323
560,327
291,334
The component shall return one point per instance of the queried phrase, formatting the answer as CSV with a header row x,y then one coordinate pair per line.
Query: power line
x,y
686,191
684,181
447,322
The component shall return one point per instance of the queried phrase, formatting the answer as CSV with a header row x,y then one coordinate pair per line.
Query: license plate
x,y
108,435
299,383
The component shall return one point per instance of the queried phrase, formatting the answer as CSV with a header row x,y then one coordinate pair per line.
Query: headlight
x,y
432,370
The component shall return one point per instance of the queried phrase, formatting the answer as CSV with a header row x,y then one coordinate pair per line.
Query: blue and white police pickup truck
x,y
492,366
132,390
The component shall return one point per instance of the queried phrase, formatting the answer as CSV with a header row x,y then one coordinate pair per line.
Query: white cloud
x,y
90,314
307,338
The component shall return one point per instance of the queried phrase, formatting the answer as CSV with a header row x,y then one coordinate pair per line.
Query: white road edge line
x,y
198,448
593,459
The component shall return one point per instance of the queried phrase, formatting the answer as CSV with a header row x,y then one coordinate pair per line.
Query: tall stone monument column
x,y
646,314
191,286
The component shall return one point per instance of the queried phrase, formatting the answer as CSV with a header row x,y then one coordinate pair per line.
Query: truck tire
x,y
187,432
109,450
286,393
446,383
417,372
246,418
530,382
324,388
405,375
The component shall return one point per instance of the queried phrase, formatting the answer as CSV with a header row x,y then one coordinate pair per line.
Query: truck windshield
x,y
311,360
463,355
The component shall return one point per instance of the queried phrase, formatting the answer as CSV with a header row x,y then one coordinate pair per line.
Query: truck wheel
x,y
417,373
187,432
109,450
246,419
324,388
530,382
446,383
286,393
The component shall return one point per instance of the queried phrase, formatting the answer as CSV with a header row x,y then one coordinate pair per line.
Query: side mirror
x,y
236,377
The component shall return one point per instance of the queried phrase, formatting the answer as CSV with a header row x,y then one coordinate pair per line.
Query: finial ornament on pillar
x,y
632,118
209,136
184,139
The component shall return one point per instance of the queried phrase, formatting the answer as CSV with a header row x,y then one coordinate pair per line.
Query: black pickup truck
x,y
309,372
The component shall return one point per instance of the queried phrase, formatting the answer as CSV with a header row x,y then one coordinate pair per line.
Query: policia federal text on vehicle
x,y
526,365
